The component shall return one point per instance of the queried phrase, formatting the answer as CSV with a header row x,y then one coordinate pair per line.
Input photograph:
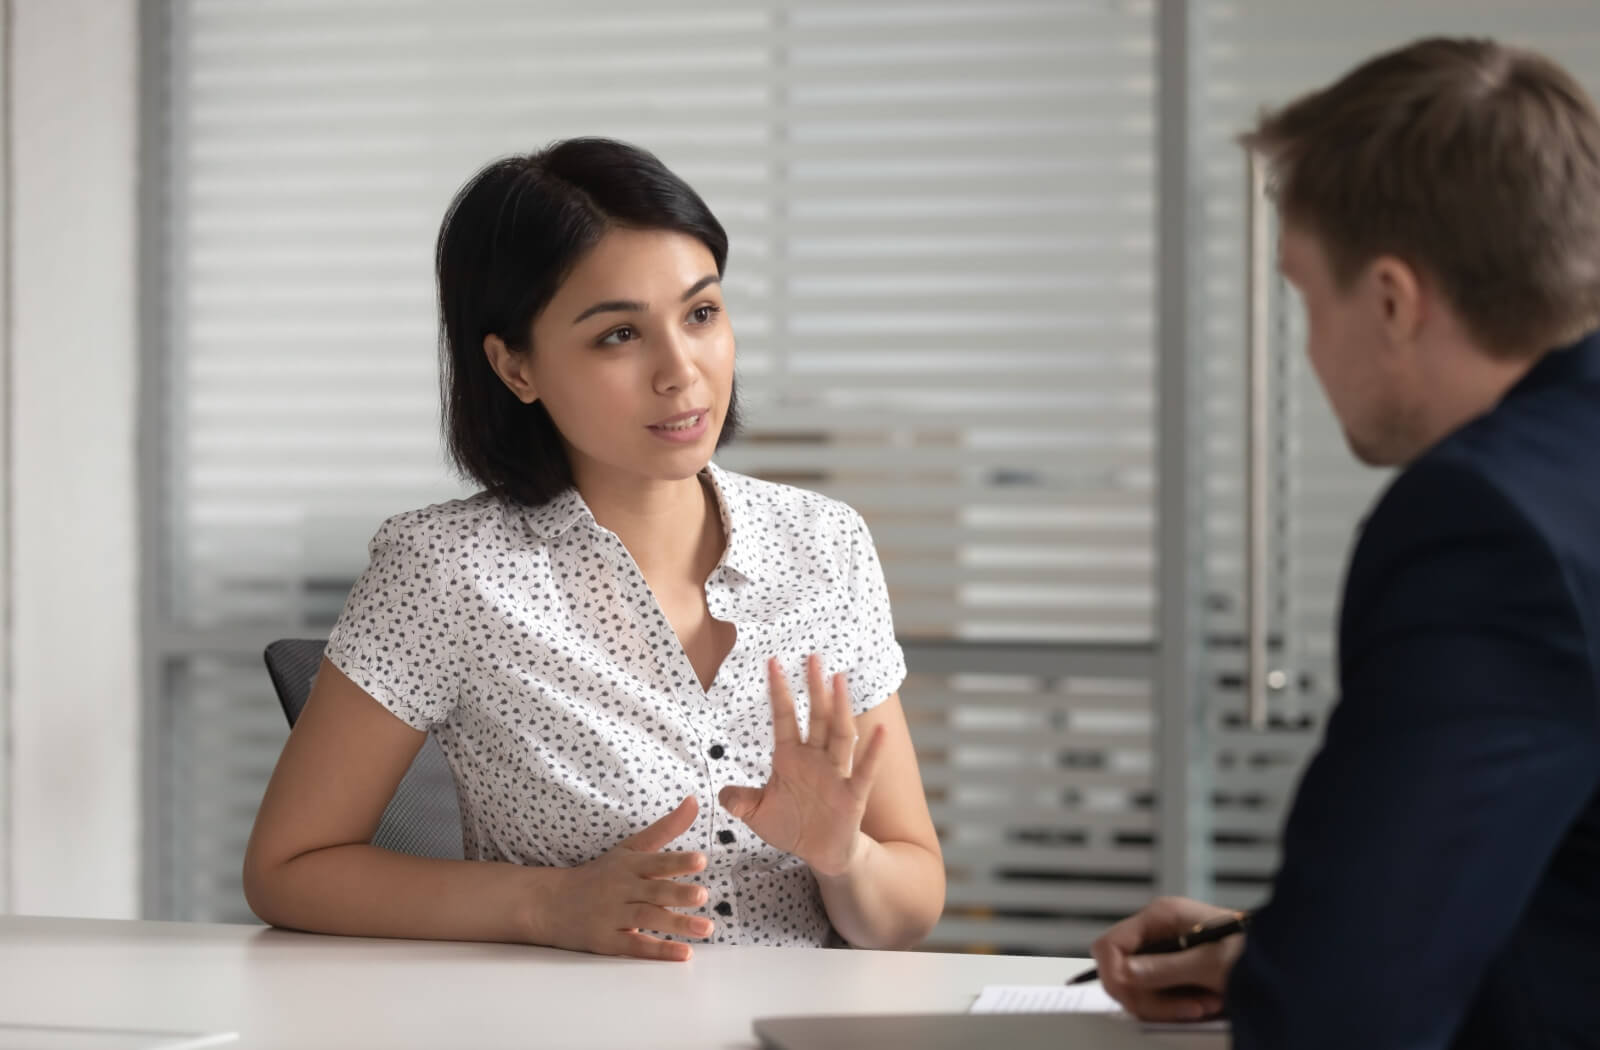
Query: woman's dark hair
x,y
511,236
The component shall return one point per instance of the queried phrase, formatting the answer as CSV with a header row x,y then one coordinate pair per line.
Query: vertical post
x,y
156,135
1258,374
1180,816
6,532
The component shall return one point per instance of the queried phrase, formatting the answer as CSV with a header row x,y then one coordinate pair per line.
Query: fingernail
x,y
703,927
1138,968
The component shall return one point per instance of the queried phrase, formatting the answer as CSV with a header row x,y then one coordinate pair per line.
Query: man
x,y
1440,882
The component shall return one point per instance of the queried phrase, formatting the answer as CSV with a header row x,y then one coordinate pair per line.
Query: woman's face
x,y
632,358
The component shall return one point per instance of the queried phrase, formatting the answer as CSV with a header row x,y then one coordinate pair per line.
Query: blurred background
x,y
989,278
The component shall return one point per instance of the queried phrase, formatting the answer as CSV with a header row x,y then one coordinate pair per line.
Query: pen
x,y
1200,933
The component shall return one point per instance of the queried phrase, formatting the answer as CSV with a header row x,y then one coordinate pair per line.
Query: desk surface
x,y
280,989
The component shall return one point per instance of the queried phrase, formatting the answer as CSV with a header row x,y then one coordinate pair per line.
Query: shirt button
x,y
724,836
724,908
716,751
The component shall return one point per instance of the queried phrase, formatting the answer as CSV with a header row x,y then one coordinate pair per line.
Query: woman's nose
x,y
675,367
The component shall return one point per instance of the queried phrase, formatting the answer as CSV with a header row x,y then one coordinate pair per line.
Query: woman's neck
x,y
671,528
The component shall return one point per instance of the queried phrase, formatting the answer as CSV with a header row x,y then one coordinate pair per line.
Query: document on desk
x,y
72,1037
1088,998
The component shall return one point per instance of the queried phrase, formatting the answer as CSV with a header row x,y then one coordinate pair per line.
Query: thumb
x,y
1196,968
740,801
663,831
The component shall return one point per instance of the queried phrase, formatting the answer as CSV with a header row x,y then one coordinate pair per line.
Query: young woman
x,y
667,691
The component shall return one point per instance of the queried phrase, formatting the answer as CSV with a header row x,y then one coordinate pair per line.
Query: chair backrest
x,y
424,817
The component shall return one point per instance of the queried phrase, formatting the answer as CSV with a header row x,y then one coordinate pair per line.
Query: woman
x,y
613,633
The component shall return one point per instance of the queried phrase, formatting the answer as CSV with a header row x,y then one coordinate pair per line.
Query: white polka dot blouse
x,y
528,642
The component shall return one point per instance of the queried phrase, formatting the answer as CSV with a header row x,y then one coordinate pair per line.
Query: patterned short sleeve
x,y
394,637
879,665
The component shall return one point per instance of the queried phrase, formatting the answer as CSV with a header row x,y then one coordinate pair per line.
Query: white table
x,y
280,989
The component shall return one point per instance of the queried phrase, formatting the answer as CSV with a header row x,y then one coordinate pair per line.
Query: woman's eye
x,y
704,314
618,336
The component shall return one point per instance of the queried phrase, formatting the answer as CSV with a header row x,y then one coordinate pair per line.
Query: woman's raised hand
x,y
605,906
812,804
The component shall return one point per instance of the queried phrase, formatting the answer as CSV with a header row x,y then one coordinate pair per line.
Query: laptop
x,y
1057,1031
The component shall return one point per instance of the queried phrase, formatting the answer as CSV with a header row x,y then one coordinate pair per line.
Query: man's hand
x,y
1182,986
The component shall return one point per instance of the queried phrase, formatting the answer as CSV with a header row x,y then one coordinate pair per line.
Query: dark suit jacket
x,y
1440,883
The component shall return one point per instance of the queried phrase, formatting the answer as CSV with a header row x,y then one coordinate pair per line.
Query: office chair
x,y
424,817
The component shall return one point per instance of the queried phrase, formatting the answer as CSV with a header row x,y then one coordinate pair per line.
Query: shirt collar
x,y
552,519
555,516
1578,362
733,502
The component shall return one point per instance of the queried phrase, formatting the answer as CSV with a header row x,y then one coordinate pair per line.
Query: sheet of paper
x,y
1088,998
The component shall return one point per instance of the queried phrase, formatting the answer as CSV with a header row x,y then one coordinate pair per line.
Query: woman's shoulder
x,y
773,505
451,524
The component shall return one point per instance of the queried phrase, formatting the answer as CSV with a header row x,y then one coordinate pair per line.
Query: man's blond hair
x,y
1476,163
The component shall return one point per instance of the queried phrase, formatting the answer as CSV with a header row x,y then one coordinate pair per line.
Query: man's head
x,y
1440,210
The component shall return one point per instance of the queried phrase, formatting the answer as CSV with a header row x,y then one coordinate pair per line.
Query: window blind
x,y
941,282
941,279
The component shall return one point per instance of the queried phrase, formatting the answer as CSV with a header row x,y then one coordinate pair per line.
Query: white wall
x,y
74,687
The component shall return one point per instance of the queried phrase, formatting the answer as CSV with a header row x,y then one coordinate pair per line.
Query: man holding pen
x,y
1440,879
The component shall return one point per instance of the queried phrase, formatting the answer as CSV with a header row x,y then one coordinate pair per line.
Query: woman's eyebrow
x,y
699,286
612,306
634,306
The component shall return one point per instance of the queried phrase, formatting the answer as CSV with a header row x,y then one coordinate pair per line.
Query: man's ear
x,y
513,368
1401,301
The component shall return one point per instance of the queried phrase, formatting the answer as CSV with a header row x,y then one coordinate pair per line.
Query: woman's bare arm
x,y
310,864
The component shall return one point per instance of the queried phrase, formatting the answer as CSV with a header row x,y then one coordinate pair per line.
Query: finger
x,y
1161,918
1104,956
665,893
670,865
660,920
1114,951
1112,963
666,829
1171,1007
1202,968
867,768
742,802
841,728
821,706
643,946
785,730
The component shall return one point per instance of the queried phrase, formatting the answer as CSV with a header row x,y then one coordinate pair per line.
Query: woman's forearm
x,y
890,897
367,891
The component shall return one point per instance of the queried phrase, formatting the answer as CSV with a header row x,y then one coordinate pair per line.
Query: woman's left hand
x,y
812,804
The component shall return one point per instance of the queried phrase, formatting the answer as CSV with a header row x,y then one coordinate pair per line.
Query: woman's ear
x,y
514,369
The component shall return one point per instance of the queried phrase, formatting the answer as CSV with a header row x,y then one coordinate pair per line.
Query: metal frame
x,y
1258,437
7,520
156,138
1182,864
